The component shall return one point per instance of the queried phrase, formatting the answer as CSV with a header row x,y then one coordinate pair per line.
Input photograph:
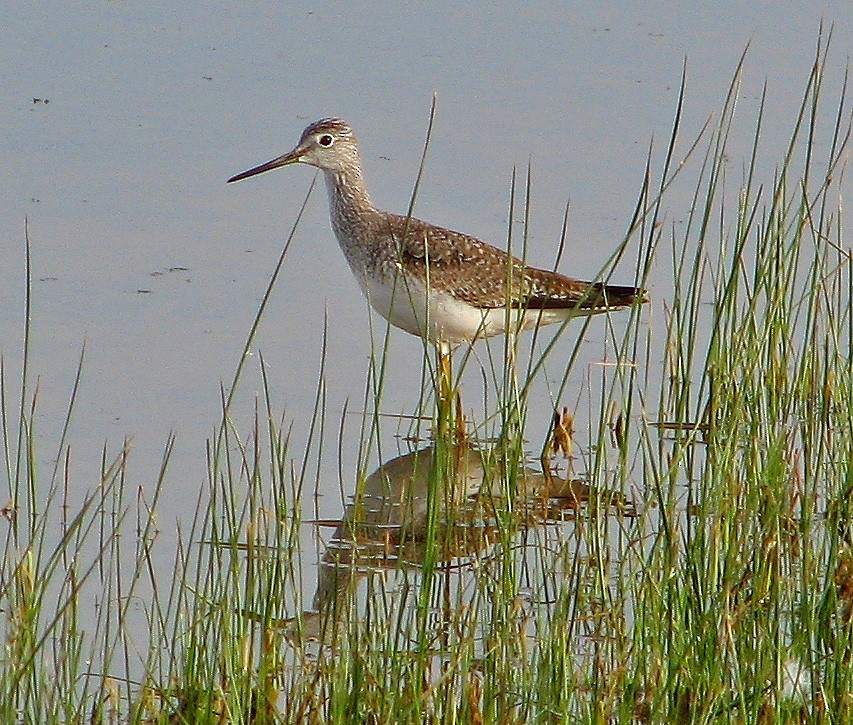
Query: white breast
x,y
436,315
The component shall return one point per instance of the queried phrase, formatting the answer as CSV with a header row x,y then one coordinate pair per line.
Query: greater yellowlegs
x,y
433,282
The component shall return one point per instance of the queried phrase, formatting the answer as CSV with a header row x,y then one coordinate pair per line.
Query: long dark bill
x,y
289,158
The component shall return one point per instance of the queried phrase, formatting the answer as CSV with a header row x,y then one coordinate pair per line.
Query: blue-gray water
x,y
121,122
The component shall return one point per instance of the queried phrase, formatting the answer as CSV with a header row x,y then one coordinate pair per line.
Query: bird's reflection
x,y
452,502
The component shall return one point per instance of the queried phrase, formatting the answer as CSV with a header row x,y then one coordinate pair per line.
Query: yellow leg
x,y
445,373
461,433
450,418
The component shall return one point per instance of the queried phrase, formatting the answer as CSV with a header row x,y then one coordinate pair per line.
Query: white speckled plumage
x,y
434,282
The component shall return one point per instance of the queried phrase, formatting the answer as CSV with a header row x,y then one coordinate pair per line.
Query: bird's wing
x,y
465,267
462,265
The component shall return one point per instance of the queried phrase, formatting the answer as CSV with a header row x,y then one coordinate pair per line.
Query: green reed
x,y
707,575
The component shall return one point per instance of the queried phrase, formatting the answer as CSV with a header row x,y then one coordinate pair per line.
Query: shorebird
x,y
435,283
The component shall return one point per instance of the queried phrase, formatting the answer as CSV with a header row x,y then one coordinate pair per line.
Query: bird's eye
x,y
325,140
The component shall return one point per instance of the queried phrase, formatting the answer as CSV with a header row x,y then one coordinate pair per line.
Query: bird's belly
x,y
437,315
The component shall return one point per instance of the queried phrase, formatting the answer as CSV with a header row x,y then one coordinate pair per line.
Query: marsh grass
x,y
704,574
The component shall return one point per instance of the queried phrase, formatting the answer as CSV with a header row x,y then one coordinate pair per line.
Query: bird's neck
x,y
356,222
349,202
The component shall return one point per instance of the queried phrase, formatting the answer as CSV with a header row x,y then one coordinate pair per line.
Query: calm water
x,y
121,122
